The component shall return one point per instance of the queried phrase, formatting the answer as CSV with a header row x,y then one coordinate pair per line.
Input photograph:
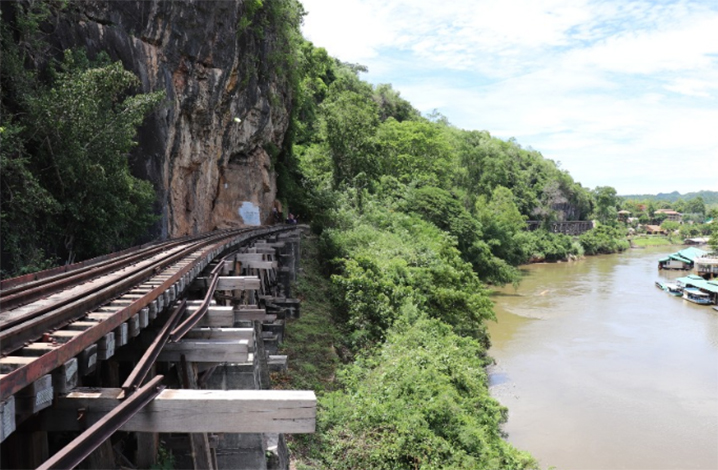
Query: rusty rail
x,y
14,337
83,445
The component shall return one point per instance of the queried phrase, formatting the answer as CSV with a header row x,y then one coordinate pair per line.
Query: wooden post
x,y
201,452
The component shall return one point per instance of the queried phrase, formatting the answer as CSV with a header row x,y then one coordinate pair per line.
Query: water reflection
x,y
601,370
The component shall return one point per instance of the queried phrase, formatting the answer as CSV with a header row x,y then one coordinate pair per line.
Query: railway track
x,y
86,311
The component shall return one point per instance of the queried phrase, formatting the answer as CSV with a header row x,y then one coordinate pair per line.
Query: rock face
x,y
205,150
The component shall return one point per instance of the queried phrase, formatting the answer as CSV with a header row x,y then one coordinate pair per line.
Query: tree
x,y
84,128
696,206
670,225
502,223
607,203
713,242
414,150
64,163
391,104
351,122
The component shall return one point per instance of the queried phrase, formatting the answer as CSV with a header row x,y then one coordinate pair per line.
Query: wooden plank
x,y
244,257
227,316
144,317
38,349
206,351
98,316
254,315
63,336
277,363
222,333
260,264
216,316
80,325
10,363
238,282
195,411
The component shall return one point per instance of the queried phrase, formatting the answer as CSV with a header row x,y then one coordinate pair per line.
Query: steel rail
x,y
83,445
17,379
23,376
139,373
35,323
15,296
23,294
179,332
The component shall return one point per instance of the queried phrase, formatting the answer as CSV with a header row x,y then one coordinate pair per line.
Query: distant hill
x,y
709,197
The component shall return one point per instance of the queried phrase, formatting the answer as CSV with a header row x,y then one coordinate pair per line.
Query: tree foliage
x,y
421,402
67,192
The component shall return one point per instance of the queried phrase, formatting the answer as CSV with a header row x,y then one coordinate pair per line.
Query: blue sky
x,y
621,93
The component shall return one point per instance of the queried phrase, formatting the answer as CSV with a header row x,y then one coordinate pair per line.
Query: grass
x,y
652,240
312,343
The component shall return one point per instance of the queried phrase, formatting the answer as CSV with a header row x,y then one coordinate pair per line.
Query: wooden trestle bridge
x,y
170,340
573,227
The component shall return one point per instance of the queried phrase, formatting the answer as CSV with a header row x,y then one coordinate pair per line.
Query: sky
x,y
620,93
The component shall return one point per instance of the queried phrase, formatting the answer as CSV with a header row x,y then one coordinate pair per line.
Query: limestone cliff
x,y
227,101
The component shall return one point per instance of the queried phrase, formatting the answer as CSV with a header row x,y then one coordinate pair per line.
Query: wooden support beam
x,y
121,335
87,360
227,316
245,257
238,283
35,397
277,363
195,411
144,317
133,325
201,451
254,315
260,264
206,351
64,378
106,346
7,417
222,333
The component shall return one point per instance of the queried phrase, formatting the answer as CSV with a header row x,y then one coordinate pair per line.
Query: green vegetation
x,y
604,239
420,402
651,240
710,198
67,192
413,216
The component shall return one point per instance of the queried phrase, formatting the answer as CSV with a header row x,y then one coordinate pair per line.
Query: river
x,y
602,370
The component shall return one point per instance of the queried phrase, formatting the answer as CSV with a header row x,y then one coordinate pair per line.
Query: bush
x,y
421,402
604,240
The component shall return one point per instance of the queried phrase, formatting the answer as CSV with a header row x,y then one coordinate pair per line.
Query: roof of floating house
x,y
699,282
687,255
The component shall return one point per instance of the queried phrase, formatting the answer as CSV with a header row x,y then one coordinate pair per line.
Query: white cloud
x,y
623,93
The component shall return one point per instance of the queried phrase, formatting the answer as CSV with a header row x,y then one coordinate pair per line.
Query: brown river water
x,y
602,370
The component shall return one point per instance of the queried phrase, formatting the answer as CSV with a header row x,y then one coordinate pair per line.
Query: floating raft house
x,y
709,287
683,259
